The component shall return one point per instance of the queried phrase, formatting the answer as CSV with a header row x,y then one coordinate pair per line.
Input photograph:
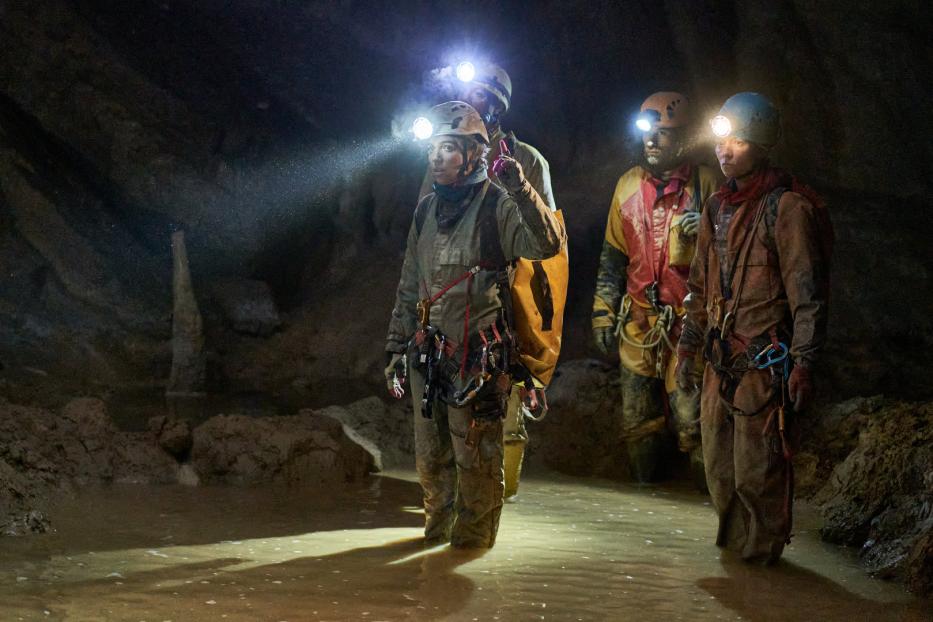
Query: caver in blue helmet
x,y
750,117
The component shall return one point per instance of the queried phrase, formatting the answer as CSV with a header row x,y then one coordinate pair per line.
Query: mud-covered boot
x,y
512,465
643,457
697,470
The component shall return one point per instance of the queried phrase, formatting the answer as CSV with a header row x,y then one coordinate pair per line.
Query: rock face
x,y
43,453
387,429
829,433
580,434
307,448
248,306
880,498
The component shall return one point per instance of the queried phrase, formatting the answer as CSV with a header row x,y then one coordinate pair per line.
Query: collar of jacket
x,y
762,182
677,180
456,193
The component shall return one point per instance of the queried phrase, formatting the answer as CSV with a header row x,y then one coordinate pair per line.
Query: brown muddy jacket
x,y
785,276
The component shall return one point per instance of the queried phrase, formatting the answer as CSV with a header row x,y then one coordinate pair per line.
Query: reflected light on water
x,y
569,549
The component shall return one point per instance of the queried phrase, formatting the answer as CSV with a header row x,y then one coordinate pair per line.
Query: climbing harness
x,y
656,338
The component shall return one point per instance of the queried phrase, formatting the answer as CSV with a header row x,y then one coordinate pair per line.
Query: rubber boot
x,y
512,464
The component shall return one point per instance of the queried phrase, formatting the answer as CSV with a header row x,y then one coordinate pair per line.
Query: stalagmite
x,y
186,383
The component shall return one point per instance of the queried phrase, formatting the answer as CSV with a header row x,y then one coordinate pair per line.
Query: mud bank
x,y
45,454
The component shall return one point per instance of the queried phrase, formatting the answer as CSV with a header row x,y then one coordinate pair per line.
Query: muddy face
x,y
663,150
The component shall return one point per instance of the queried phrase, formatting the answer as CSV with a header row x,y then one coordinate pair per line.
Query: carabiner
x,y
772,356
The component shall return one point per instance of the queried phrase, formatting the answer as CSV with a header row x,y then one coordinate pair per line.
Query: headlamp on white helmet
x,y
422,128
466,71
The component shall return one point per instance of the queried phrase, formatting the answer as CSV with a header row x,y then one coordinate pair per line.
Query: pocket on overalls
x,y
753,392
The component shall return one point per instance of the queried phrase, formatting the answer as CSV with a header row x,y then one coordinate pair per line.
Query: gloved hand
x,y
605,339
508,170
392,382
683,374
800,387
690,223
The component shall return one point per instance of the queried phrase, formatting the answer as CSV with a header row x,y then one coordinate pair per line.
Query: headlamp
x,y
721,126
422,128
466,71
646,120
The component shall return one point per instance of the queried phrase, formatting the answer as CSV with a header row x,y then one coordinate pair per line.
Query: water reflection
x,y
570,549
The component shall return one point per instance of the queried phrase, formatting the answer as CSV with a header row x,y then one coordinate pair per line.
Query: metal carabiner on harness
x,y
770,356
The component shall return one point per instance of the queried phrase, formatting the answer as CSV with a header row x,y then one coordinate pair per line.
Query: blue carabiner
x,y
772,355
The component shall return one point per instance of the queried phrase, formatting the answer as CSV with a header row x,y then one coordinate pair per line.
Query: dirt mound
x,y
880,498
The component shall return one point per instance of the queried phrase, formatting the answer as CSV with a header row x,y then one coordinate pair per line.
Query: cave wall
x,y
263,131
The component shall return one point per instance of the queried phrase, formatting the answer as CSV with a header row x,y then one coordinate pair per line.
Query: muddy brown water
x,y
569,549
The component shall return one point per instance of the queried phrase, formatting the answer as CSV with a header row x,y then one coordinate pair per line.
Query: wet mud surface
x,y
569,549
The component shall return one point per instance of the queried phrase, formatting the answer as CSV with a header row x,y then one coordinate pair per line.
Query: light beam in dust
x,y
310,178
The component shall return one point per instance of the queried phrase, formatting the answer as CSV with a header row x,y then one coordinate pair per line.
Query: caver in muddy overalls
x,y
641,284
490,92
757,309
450,324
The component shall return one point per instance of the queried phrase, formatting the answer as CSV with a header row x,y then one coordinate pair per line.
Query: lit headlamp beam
x,y
422,128
721,126
466,71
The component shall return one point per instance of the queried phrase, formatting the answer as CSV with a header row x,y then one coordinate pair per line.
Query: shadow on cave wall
x,y
263,131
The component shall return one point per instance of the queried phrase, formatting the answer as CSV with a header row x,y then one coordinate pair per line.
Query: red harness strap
x,y
468,277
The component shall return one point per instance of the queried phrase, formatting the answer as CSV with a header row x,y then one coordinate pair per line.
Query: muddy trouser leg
x,y
514,437
685,412
643,424
760,472
434,461
745,470
478,451
718,432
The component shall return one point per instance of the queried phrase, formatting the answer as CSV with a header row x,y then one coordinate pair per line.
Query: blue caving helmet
x,y
750,117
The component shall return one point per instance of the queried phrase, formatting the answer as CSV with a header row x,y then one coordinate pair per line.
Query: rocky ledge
x,y
44,453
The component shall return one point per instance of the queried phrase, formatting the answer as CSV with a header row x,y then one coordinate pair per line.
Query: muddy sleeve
x,y
796,235
527,226
611,275
694,331
404,320
538,174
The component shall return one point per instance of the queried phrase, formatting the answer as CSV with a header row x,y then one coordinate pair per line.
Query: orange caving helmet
x,y
664,109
